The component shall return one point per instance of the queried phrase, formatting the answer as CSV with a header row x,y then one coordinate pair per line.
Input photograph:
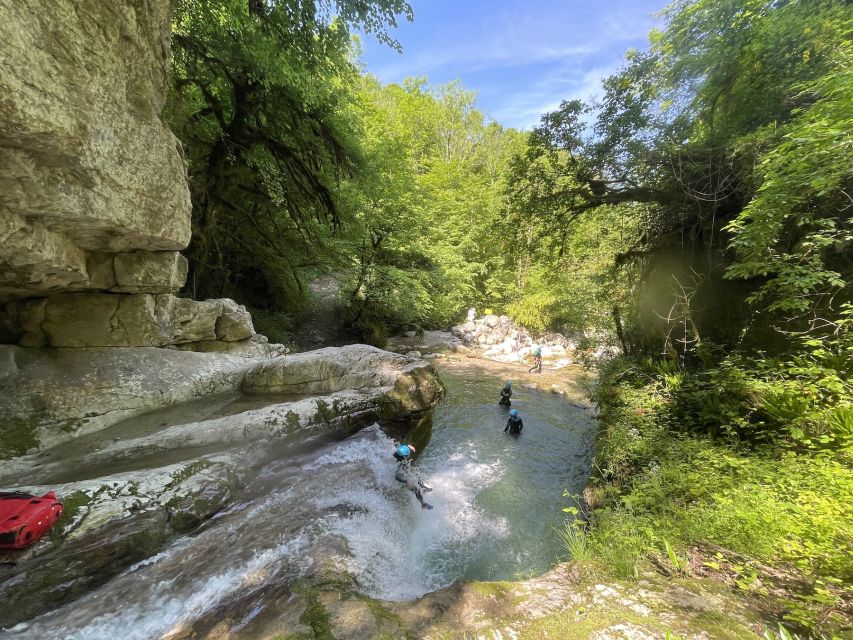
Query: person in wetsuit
x,y
537,360
514,425
506,394
408,476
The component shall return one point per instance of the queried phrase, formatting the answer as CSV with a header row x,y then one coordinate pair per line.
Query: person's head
x,y
508,384
405,451
513,413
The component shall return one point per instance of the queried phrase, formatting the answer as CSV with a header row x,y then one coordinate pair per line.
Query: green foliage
x,y
667,485
261,99
727,146
275,325
575,541
798,219
423,247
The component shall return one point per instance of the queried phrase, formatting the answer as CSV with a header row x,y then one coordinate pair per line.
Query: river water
x,y
496,500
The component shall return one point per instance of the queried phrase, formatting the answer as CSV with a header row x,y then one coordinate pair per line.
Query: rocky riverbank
x,y
133,487
499,338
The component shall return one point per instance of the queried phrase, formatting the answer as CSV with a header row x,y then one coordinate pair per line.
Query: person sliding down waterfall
x,y
409,476
506,394
514,425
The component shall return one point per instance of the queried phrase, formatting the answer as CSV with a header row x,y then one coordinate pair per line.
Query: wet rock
x,y
68,571
413,354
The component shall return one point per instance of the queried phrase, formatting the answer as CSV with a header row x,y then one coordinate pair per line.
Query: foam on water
x,y
398,550
489,496
164,611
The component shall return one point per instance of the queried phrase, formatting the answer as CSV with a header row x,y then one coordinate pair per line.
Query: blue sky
x,y
521,57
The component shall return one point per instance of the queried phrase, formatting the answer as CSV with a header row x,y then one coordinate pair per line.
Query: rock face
x,y
110,320
40,409
88,171
95,205
49,396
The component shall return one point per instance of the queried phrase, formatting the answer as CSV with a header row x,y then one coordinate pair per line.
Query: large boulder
x,y
356,366
40,409
48,396
87,167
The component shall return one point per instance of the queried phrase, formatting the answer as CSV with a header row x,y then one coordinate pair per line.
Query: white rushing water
x,y
398,550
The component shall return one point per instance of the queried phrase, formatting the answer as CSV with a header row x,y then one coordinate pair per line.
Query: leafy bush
x,y
750,484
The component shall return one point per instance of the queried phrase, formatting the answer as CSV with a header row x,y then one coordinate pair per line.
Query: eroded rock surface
x,y
110,320
88,170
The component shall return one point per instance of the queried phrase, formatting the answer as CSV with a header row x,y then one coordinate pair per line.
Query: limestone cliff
x,y
94,204
88,169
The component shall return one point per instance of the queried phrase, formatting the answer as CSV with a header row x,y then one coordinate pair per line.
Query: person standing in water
x,y
506,394
514,425
537,360
407,475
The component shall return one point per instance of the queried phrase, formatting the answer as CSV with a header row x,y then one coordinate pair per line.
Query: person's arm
x,y
506,428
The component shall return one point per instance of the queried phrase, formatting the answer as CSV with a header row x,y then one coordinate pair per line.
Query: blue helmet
x,y
509,383
403,450
513,413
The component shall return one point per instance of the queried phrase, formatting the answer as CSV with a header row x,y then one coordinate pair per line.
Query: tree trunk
x,y
620,332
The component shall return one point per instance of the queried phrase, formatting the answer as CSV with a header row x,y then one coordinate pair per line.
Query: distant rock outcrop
x,y
501,339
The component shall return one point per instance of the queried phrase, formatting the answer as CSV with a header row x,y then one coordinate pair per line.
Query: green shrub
x,y
753,456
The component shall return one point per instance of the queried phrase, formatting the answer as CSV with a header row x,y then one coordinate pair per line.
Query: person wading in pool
x,y
537,360
514,425
409,476
506,394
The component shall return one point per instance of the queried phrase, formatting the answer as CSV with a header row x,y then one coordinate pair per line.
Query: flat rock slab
x,y
48,396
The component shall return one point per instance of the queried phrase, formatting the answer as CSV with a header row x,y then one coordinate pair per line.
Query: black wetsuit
x,y
537,363
506,394
409,477
514,425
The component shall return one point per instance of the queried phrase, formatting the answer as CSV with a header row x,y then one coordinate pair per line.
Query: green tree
x,y
261,100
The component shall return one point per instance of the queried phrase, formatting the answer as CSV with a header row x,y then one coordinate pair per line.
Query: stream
x,y
338,508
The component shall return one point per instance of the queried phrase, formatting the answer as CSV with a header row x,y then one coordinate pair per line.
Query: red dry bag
x,y
25,518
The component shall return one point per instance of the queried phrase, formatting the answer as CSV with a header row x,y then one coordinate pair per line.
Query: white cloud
x,y
523,57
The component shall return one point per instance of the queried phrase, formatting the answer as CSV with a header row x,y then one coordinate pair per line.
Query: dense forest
x,y
697,215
